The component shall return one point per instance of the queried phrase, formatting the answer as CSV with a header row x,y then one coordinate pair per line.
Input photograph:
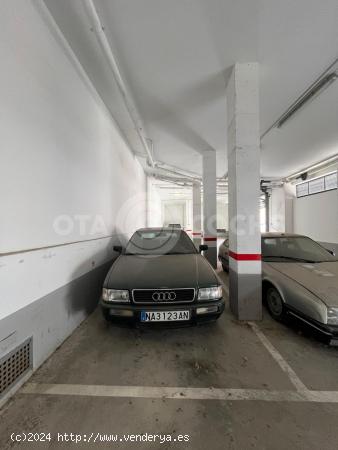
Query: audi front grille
x,y
163,296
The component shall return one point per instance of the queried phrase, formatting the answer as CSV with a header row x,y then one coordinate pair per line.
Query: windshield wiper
x,y
292,258
176,253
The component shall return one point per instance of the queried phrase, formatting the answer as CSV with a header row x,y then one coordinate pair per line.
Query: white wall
x,y
160,200
222,214
175,211
317,216
154,217
61,154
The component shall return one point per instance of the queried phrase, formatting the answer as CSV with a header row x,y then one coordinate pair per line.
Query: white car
x,y
300,278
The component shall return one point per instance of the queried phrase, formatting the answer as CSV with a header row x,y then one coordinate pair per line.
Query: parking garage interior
x,y
215,118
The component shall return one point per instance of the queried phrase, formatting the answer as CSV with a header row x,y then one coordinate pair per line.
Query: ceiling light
x,y
316,89
320,84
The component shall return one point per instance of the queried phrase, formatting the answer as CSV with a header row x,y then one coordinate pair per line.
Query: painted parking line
x,y
293,377
287,369
179,393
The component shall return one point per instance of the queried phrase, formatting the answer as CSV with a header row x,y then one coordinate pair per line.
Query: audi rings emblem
x,y
163,296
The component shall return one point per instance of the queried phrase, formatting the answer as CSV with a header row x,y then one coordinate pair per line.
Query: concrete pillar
x,y
290,194
209,206
244,190
196,213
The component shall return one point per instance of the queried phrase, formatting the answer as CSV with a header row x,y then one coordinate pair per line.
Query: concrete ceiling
x,y
309,137
176,55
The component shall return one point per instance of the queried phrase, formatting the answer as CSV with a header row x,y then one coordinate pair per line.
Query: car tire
x,y
275,304
106,315
225,268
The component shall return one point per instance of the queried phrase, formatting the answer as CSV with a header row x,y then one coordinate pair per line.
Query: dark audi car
x,y
161,277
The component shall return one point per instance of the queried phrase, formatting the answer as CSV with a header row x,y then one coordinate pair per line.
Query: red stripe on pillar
x,y
209,238
245,256
196,234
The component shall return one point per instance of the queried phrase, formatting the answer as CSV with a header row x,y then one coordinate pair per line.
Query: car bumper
x,y
330,331
199,312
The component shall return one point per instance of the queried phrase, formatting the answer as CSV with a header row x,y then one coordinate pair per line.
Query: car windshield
x,y
160,242
298,249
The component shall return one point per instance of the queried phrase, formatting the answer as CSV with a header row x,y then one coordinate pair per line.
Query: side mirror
x,y
332,252
203,248
117,248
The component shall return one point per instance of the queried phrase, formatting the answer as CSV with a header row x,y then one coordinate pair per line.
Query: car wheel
x,y
275,304
106,315
225,268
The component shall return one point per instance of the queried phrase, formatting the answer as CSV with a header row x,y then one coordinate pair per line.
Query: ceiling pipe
x,y
326,163
147,143
174,172
179,183
98,29
170,175
187,173
277,179
164,177
175,169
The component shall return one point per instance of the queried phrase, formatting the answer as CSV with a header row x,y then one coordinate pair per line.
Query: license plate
x,y
164,316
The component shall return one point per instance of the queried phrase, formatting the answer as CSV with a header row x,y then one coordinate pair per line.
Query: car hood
x,y
321,278
164,271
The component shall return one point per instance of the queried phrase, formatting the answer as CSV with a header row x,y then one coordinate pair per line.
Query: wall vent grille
x,y
15,365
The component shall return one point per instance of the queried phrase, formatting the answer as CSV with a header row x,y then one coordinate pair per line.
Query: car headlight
x,y
210,293
332,316
114,295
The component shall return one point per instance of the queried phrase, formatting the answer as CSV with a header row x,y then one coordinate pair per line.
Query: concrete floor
x,y
228,355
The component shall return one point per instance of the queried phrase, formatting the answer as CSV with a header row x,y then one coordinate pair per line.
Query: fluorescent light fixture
x,y
316,89
320,84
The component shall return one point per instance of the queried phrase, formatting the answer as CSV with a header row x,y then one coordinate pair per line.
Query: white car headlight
x,y
332,316
210,293
114,295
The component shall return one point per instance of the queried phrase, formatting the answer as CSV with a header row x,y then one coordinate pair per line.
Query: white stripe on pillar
x,y
245,267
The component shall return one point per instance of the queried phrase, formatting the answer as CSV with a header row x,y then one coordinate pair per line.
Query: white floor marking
x,y
180,393
302,394
293,377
